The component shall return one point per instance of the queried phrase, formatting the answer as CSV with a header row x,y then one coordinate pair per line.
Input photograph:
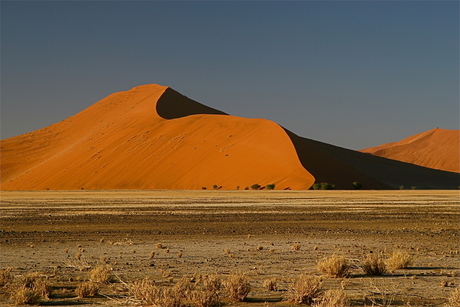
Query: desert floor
x,y
62,235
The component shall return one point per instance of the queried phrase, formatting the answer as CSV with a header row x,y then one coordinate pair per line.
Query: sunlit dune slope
x,y
436,148
151,137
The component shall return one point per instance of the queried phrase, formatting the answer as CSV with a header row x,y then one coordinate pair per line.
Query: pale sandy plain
x,y
221,232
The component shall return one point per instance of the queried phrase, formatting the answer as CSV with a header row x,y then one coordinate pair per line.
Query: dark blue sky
x,y
350,73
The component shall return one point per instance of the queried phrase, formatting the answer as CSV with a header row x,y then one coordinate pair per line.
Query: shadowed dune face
x,y
175,105
340,166
151,137
436,148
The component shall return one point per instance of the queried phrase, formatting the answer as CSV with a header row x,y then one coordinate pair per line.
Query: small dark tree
x,y
271,186
215,187
317,186
357,185
326,186
255,186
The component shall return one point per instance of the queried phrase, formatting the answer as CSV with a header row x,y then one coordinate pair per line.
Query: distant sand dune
x,y
152,137
436,148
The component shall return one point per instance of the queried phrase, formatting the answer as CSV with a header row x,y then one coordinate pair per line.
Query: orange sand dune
x,y
436,148
151,137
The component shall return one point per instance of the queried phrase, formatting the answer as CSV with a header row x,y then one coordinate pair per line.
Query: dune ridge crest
x,y
152,137
436,148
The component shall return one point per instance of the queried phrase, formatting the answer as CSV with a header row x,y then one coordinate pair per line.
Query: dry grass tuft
x,y
150,294
237,287
5,277
102,274
29,290
152,254
374,264
212,283
205,299
335,266
296,246
260,247
454,298
25,296
159,246
87,289
183,287
399,260
306,290
334,298
271,284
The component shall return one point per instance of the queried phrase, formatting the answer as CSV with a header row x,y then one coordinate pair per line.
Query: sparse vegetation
x,y
323,186
454,298
237,287
335,266
255,186
399,260
334,298
306,289
374,264
212,283
102,274
5,277
271,284
205,299
87,289
25,296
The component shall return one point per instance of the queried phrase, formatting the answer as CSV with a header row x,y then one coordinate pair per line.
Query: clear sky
x,y
350,73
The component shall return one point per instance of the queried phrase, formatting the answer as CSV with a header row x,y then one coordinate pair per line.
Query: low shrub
x,y
237,287
271,284
334,298
25,296
323,186
399,260
306,290
212,283
271,186
454,298
205,299
87,289
255,186
5,277
296,246
102,274
335,266
374,264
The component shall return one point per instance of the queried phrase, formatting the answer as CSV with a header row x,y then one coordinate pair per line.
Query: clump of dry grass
x,y
159,246
335,266
237,287
260,247
87,289
399,260
212,283
152,254
102,274
271,284
306,289
183,287
205,299
30,289
5,277
374,264
151,294
334,298
25,296
296,246
454,298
